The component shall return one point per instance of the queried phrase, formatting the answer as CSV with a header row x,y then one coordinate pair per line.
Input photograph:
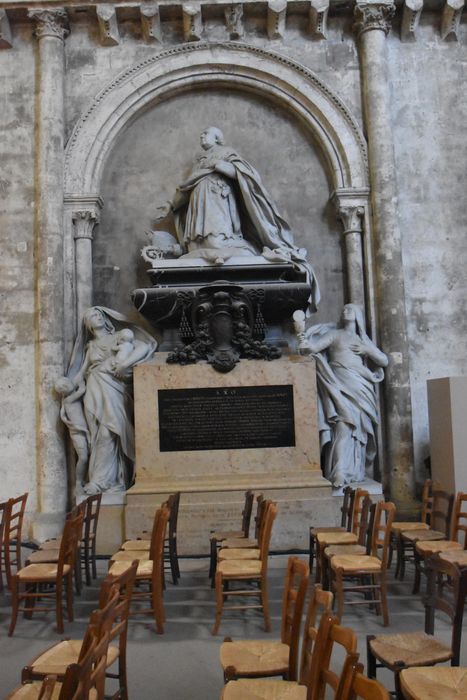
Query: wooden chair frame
x,y
12,533
396,542
217,537
34,586
438,573
293,600
355,684
370,581
3,514
346,523
223,580
170,542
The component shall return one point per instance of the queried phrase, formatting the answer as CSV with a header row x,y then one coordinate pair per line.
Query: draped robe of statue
x,y
108,403
237,216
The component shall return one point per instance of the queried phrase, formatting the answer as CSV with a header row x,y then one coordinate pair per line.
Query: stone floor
x,y
183,663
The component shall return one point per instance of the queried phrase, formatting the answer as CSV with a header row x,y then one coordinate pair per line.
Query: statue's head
x,y
353,312
211,136
94,319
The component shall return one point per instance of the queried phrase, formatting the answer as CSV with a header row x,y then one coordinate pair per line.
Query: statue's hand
x,y
358,348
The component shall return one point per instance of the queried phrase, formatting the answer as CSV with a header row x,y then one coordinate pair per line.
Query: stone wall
x,y
428,110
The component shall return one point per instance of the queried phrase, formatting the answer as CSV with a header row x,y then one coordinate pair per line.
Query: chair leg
x,y
265,604
122,676
219,602
391,550
416,581
59,607
173,562
93,558
69,597
312,552
30,602
401,557
384,599
78,574
339,591
14,585
397,684
370,658
87,564
212,561
176,558
158,608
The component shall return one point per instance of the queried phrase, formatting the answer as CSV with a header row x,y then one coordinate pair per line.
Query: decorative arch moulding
x,y
237,66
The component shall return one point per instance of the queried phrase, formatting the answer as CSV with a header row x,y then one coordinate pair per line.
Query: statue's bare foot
x,y
338,482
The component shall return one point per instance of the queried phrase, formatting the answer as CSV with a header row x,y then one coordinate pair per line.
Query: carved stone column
x,y
50,30
373,24
84,221
350,208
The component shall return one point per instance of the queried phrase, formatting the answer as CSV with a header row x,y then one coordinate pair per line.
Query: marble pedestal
x,y
447,407
212,481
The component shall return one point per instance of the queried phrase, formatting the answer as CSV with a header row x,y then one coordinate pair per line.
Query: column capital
x,y
50,22
351,216
84,221
373,14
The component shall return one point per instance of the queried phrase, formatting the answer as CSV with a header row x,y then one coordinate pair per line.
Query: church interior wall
x,y
429,110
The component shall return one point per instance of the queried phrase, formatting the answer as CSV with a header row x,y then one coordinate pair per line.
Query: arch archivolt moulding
x,y
235,65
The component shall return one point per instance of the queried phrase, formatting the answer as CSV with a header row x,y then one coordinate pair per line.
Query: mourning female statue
x,y
98,397
348,366
223,210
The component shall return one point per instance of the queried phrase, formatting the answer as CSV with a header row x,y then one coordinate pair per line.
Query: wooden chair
x,y
405,526
251,550
14,517
356,685
440,524
248,542
216,537
325,539
149,571
263,658
86,673
442,683
346,522
3,513
56,659
458,532
58,576
363,544
316,673
253,570
170,542
369,569
404,650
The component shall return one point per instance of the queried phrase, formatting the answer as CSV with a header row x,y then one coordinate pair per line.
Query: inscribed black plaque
x,y
232,418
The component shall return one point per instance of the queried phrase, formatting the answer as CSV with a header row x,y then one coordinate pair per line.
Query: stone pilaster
x,y
50,30
84,221
350,210
373,24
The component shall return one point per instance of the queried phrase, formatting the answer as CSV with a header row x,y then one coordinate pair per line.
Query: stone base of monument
x,y
212,436
111,527
373,487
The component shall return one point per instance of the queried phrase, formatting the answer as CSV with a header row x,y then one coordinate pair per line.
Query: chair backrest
x,y
441,515
332,639
124,583
91,516
71,536
12,531
173,503
354,684
265,535
364,522
156,551
427,501
293,600
459,519
3,514
261,503
86,675
381,533
357,508
346,507
247,511
450,599
320,603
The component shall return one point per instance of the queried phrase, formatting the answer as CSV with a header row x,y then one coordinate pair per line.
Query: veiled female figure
x,y
348,366
107,400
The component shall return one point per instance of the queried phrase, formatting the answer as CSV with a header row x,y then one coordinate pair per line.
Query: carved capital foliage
x,y
351,217
373,15
84,221
50,23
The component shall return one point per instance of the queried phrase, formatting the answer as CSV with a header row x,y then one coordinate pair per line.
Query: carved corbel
x,y
108,25
192,22
318,18
276,18
5,31
451,18
234,21
151,23
410,19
